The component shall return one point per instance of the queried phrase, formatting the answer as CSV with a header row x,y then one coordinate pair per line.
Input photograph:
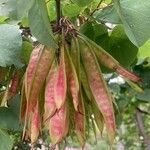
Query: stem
x,y
141,128
96,8
58,12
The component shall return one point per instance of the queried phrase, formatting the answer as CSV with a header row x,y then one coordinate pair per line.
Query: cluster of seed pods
x,y
62,93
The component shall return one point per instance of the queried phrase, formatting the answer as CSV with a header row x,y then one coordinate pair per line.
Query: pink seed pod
x,y
106,59
98,88
32,64
72,80
14,83
60,86
79,118
35,125
58,125
23,105
50,106
125,73
98,117
111,63
34,80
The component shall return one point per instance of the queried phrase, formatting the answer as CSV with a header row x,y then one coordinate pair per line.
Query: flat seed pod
x,y
34,80
72,79
60,88
98,87
30,71
98,117
49,105
57,125
106,59
79,118
14,84
85,83
125,73
23,105
35,125
75,55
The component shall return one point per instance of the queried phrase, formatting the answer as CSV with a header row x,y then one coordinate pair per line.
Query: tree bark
x,y
141,129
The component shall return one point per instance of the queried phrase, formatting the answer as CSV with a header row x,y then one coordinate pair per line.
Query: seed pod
x,y
30,71
79,118
134,86
57,125
49,106
106,59
98,87
14,84
72,79
60,86
36,74
75,55
125,73
85,83
98,117
35,125
23,105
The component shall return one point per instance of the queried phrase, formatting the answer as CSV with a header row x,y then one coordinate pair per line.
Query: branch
x,y
140,126
96,8
58,11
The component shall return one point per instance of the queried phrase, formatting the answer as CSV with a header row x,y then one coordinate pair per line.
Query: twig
x,y
58,11
47,1
96,8
140,126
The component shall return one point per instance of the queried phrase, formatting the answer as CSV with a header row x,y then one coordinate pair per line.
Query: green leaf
x,y
135,17
10,45
71,10
108,14
23,7
9,120
14,104
144,51
25,22
101,35
144,72
40,25
51,10
3,19
96,32
6,141
26,51
7,6
133,14
121,47
145,96
88,30
10,116
82,3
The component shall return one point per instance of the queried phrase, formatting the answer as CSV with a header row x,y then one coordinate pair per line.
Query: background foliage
x,y
121,27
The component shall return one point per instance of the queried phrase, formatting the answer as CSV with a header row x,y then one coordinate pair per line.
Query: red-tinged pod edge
x,y
42,68
79,118
57,125
98,88
110,62
49,104
60,86
127,74
14,83
72,79
35,125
